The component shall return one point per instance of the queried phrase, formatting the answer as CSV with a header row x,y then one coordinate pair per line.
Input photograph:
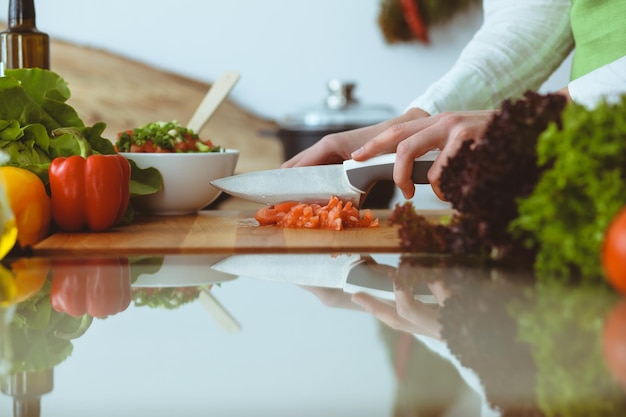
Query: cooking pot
x,y
339,112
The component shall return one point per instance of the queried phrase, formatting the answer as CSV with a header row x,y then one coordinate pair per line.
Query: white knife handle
x,y
362,174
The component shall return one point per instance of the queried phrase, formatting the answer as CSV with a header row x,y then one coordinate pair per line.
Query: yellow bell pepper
x,y
8,229
30,204
30,275
25,278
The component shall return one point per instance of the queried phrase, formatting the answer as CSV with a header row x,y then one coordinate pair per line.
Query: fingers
x,y
413,317
432,134
332,297
434,173
333,148
447,132
440,291
321,153
386,313
394,132
409,136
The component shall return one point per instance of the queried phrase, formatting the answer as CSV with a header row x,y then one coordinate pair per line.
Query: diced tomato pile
x,y
336,215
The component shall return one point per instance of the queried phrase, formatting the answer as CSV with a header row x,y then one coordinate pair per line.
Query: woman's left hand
x,y
413,138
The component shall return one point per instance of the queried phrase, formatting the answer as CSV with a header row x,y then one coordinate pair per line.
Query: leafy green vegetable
x,y
416,233
582,189
484,180
37,125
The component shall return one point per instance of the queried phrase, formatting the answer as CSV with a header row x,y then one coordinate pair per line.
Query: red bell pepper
x,y
89,193
96,287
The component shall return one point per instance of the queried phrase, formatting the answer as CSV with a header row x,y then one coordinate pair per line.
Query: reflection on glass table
x,y
54,301
459,337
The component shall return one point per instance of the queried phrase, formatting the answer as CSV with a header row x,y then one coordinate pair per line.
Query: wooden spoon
x,y
211,101
223,318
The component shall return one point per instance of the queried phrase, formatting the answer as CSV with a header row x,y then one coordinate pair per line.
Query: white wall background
x,y
285,50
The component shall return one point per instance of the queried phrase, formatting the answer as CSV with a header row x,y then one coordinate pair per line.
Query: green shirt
x,y
599,29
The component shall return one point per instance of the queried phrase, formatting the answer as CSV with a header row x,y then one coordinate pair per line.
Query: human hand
x,y
406,313
414,137
337,147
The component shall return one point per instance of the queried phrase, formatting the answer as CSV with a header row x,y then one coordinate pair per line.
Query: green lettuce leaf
x,y
37,125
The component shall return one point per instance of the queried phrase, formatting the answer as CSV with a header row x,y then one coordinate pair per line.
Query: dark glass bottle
x,y
22,45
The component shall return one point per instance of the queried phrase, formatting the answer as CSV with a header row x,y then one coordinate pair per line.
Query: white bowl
x,y
186,180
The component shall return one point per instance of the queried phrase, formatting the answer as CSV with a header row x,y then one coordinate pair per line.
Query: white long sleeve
x,y
518,46
605,83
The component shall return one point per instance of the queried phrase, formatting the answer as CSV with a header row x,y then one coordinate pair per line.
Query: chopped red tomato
x,y
334,216
273,214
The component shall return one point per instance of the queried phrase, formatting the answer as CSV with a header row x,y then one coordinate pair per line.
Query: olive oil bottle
x,y
21,44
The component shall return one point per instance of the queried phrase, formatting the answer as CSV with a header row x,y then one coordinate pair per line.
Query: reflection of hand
x,y
96,287
332,297
406,314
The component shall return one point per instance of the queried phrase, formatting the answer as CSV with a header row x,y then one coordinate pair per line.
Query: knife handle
x,y
363,174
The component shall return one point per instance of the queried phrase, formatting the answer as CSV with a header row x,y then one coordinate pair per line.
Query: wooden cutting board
x,y
219,231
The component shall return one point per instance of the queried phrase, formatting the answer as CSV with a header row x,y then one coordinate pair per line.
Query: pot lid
x,y
340,109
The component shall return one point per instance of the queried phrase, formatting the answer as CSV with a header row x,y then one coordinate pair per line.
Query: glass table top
x,y
384,334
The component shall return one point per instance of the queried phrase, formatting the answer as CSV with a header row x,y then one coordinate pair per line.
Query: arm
x,y
517,48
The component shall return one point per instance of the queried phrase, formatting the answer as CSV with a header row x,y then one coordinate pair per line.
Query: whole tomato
x,y
614,252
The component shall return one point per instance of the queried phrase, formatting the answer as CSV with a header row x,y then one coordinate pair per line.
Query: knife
x,y
349,181
348,272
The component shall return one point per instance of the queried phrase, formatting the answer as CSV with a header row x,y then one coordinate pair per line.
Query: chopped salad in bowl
x,y
163,137
186,163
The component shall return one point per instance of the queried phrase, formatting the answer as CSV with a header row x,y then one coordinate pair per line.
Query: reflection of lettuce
x,y
5,347
159,297
563,326
39,337
534,343
168,297
481,334
144,265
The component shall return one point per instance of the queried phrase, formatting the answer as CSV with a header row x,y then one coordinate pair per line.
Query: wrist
x,y
416,113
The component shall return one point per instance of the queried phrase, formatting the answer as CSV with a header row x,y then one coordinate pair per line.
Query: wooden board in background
x,y
125,94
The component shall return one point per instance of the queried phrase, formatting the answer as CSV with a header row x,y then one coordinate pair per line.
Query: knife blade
x,y
349,181
350,273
